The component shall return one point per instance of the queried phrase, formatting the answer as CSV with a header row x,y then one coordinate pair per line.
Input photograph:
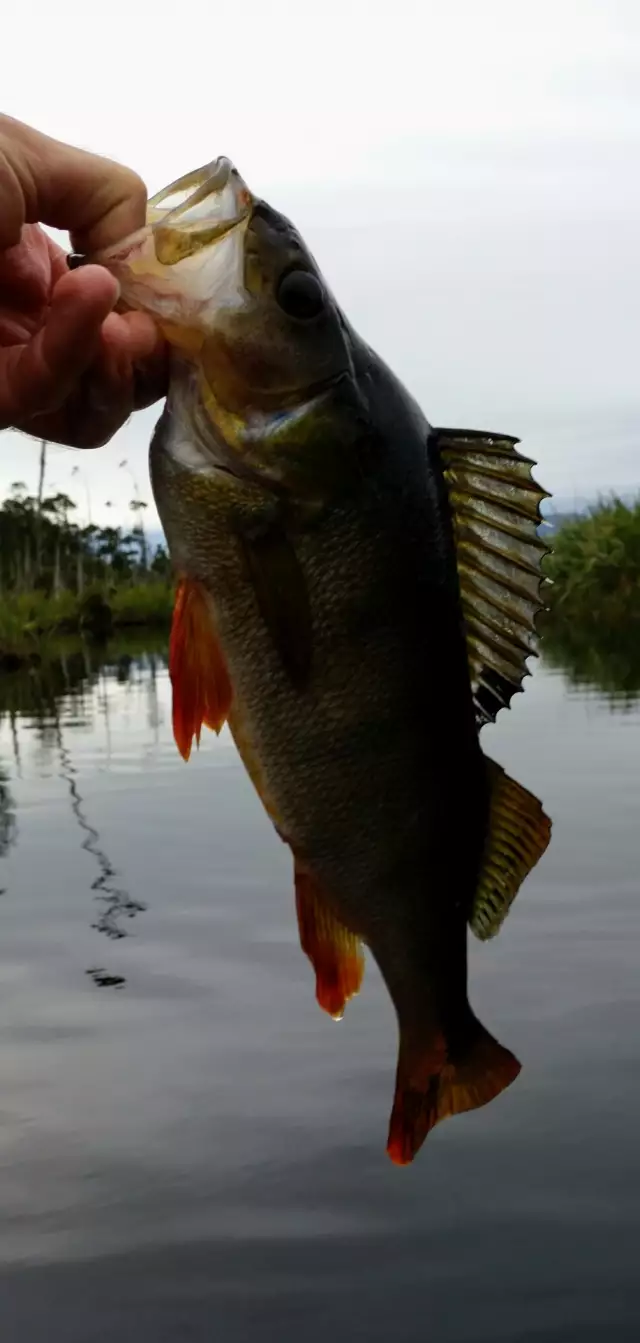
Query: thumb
x,y
45,181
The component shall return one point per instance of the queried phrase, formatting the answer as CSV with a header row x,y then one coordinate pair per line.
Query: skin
x,y
72,368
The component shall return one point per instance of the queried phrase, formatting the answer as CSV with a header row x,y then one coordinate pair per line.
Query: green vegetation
x,y
59,578
592,628
595,568
62,583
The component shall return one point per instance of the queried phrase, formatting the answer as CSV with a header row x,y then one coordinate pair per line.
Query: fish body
x,y
310,511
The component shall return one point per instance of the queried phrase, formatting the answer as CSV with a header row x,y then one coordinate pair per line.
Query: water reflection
x,y
116,903
8,828
596,657
74,672
198,1152
53,700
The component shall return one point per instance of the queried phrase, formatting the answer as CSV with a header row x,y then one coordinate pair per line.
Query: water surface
x,y
190,1150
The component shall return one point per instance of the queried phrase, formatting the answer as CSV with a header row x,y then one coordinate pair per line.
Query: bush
x,y
595,569
31,620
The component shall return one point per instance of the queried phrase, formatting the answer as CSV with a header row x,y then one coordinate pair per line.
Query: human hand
x,y
71,368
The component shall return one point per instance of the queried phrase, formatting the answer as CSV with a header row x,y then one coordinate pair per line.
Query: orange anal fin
x,y
433,1088
335,954
199,677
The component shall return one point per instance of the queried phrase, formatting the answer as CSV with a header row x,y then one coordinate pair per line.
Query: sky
x,y
466,174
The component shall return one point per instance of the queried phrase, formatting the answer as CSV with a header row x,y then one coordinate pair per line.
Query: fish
x,y
356,597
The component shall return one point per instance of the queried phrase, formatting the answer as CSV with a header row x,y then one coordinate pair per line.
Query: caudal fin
x,y
431,1086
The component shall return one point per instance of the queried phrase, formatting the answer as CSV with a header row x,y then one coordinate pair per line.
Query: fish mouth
x,y
197,210
187,262
193,212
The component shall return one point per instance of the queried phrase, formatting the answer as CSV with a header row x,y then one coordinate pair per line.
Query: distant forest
x,y
43,547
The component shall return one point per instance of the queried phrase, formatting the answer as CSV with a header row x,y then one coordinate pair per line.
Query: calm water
x,y
190,1150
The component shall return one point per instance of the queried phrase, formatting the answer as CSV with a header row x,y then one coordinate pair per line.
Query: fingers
x,y
136,351
38,377
130,372
12,203
127,370
131,333
97,201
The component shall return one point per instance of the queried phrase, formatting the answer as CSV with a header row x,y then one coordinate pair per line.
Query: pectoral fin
x,y
335,954
281,593
199,677
519,832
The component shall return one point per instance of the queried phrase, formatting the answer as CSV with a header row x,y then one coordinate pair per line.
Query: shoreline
x,y
33,625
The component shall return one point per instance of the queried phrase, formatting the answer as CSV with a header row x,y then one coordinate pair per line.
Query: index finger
x,y
45,181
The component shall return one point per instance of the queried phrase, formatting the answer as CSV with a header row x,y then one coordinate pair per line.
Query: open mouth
x,y
199,220
191,213
197,210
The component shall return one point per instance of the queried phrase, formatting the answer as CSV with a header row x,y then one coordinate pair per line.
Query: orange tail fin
x,y
432,1087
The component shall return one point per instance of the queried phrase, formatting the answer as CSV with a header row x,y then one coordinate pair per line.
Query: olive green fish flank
x,y
281,593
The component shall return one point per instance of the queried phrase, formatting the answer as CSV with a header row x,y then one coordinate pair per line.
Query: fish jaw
x,y
187,262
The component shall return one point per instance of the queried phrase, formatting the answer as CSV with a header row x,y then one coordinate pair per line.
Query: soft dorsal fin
x,y
495,507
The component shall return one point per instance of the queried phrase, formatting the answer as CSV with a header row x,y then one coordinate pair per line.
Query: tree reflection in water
x,y
8,827
596,657
69,681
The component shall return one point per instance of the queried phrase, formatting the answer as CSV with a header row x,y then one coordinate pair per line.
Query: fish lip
x,y
209,183
208,180
213,176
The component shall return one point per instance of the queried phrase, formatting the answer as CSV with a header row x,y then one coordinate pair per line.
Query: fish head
x,y
236,291
285,341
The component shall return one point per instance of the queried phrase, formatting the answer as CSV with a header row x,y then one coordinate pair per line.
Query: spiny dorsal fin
x,y
495,506
519,832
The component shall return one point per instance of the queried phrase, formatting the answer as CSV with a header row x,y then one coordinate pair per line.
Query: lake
x,y
190,1150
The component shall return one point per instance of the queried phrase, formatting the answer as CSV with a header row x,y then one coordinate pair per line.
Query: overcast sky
x,y
466,173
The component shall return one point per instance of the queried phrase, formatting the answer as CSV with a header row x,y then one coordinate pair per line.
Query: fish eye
x,y
300,295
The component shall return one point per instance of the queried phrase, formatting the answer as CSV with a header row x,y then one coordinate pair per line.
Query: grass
x,y
593,623
32,622
143,604
595,571
592,627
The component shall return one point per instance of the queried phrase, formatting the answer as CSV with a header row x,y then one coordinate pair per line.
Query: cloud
x,y
466,175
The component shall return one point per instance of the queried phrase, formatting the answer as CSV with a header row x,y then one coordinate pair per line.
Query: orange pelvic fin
x,y
430,1087
335,954
199,677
